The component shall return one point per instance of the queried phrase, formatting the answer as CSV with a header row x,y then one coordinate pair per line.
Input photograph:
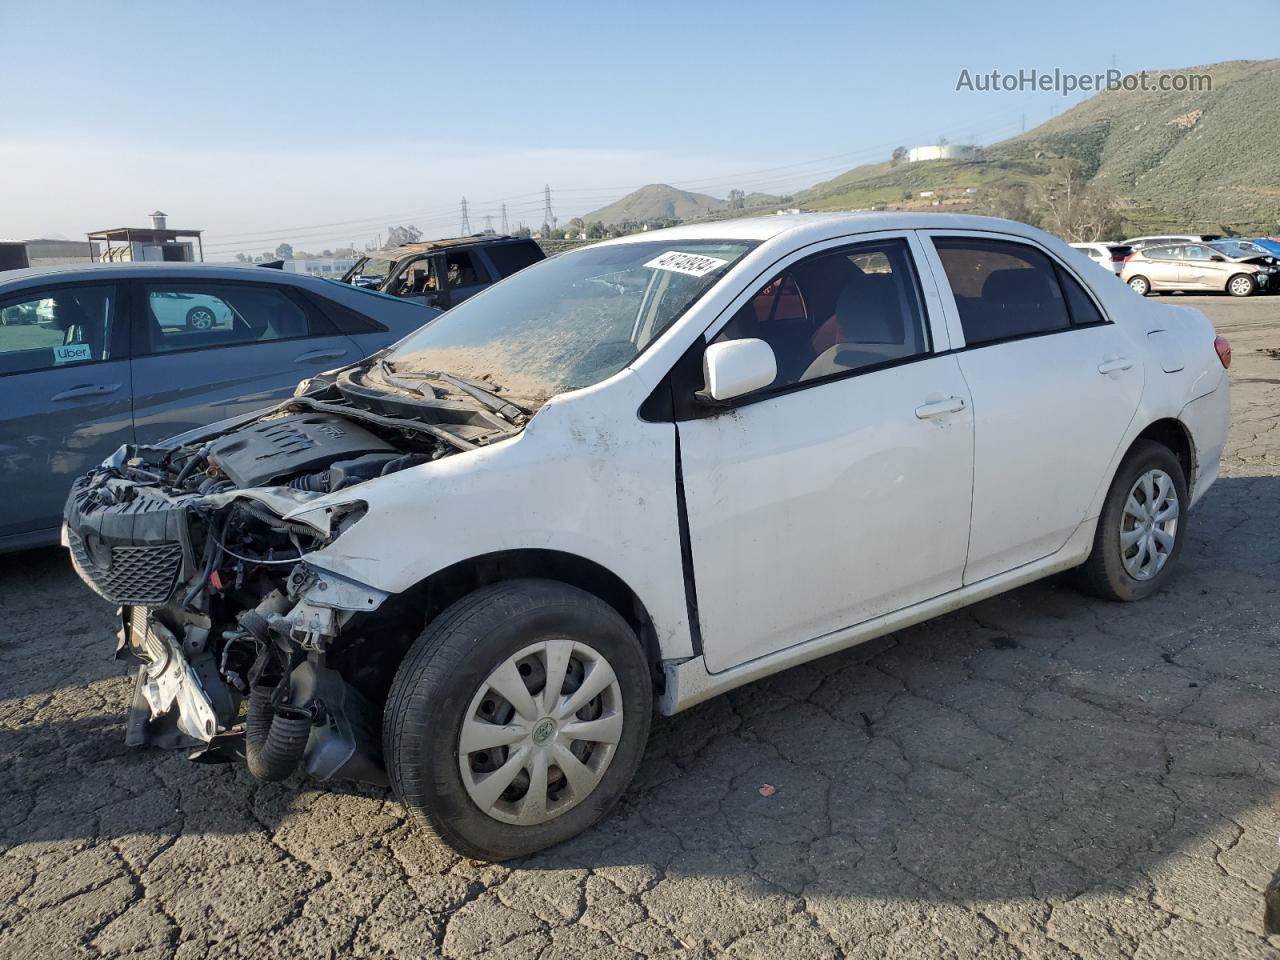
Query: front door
x,y
1054,385
842,491
65,407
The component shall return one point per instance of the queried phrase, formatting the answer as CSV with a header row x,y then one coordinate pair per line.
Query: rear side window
x,y
509,258
1084,312
193,315
1002,289
55,328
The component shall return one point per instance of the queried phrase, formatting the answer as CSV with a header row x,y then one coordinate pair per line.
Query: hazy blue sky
x,y
323,122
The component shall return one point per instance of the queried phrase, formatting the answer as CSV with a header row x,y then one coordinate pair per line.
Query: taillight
x,y
1223,348
1127,258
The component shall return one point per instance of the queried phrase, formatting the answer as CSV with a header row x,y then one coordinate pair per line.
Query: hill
x,y
656,201
1189,160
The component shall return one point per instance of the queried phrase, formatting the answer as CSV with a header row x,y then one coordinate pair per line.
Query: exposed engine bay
x,y
203,542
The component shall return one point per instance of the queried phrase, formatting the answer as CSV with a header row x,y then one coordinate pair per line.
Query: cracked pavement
x,y
1040,775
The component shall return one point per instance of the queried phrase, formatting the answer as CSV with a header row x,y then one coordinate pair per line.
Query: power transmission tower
x,y
504,219
466,221
548,217
488,223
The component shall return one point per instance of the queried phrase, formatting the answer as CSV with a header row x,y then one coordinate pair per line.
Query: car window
x,y
1196,252
416,278
193,315
1080,305
55,328
1160,253
1002,289
837,311
508,258
461,270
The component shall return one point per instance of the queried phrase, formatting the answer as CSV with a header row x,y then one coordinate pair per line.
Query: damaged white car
x,y
640,473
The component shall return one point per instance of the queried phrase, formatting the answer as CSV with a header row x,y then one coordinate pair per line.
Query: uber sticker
x,y
693,264
72,352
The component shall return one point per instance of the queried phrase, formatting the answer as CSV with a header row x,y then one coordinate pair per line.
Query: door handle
x,y
313,355
86,390
938,408
1118,365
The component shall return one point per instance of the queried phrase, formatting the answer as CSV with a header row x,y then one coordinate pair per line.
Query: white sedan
x,y
643,473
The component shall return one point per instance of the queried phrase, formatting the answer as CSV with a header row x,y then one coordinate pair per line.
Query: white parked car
x,y
1164,239
643,473
1109,256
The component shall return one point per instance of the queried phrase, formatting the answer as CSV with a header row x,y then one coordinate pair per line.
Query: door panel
x,y
819,509
64,398
186,377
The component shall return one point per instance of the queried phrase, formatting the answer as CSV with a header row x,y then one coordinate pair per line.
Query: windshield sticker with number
x,y
693,264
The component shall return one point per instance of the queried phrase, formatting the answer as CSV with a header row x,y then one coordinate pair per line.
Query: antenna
x,y
466,221
548,217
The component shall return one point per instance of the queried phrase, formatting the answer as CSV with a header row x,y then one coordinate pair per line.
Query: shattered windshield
x,y
569,321
372,270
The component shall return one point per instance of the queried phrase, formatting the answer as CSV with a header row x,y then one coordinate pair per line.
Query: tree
x,y
522,231
398,236
596,230
1011,201
284,252
899,154
737,199
1077,210
241,258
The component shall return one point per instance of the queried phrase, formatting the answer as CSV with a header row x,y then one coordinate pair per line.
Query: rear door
x,y
64,397
264,338
1054,385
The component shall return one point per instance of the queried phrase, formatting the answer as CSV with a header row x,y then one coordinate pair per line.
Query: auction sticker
x,y
693,264
72,353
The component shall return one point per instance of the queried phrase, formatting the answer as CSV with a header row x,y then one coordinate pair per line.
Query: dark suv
x,y
443,273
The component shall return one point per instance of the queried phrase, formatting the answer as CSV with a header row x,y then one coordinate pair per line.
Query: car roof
x,y
812,227
426,246
34,276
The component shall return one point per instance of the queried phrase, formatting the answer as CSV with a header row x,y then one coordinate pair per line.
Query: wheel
x,y
200,318
1141,527
517,719
1242,285
1140,285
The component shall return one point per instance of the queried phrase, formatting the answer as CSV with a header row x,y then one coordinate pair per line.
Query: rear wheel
x,y
518,718
1242,285
1141,527
200,318
1140,285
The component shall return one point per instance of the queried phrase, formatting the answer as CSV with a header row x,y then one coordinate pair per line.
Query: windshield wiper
x,y
500,406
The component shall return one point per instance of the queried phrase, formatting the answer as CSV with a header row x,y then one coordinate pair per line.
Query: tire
x,y
446,679
200,318
1110,570
1140,285
1242,285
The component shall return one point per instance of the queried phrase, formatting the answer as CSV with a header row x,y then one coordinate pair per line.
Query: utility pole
x,y
504,220
466,220
548,217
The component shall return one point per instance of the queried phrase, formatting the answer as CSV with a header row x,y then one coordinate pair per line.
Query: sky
x,y
322,123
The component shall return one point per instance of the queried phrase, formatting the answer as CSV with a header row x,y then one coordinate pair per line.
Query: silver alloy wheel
x,y
201,318
1241,286
1149,524
1139,285
540,732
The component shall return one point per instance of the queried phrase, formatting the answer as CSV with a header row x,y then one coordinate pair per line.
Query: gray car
x,y
91,358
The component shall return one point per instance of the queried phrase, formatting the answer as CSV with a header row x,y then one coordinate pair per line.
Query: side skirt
x,y
690,683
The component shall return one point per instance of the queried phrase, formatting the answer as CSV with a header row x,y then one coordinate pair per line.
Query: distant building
x,y
320,266
45,253
943,151
156,242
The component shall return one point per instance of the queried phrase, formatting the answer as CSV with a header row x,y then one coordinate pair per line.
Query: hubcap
x,y
540,732
1149,524
1240,286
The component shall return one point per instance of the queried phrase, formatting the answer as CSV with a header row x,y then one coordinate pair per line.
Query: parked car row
x,y
1191,262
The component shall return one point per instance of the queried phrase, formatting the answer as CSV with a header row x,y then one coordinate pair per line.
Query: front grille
x,y
143,576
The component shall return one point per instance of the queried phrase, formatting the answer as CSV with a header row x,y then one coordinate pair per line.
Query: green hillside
x,y
655,201
1195,160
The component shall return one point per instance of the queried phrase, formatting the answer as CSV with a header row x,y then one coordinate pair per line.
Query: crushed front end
x,y
203,543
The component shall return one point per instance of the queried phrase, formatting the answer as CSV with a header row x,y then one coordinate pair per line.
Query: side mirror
x,y
735,367
1217,258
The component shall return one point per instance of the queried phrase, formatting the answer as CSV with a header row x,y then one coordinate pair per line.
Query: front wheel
x,y
518,718
1241,285
1142,526
1140,285
200,318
